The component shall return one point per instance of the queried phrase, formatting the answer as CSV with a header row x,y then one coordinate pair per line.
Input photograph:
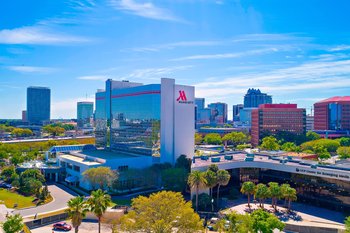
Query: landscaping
x,y
11,198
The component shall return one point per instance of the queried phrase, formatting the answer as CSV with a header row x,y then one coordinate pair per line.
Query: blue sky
x,y
298,51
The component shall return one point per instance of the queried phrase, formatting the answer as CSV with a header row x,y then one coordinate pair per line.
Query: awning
x,y
71,179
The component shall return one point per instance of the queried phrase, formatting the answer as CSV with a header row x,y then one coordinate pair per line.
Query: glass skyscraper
x,y
84,113
255,97
146,119
38,105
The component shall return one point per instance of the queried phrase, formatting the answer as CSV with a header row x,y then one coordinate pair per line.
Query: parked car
x,y
62,226
5,185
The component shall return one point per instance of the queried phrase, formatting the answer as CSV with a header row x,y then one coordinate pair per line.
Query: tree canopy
x,y
263,221
13,224
213,138
344,152
269,143
162,212
100,177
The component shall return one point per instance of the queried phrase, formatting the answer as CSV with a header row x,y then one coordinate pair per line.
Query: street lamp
x,y
212,205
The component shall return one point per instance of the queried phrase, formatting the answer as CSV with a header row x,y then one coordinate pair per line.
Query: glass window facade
x,y
319,191
335,116
128,119
38,105
84,113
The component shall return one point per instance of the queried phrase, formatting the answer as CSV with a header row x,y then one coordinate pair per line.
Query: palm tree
x,y
77,209
248,188
211,178
275,193
223,177
196,180
284,188
262,192
98,203
290,195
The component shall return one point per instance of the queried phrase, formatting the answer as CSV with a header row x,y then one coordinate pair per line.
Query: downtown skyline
x,y
298,52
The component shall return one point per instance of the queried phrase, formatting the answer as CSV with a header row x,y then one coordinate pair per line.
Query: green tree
x,y
34,174
174,179
330,145
290,146
204,202
289,194
261,193
198,139
196,180
321,152
238,223
310,136
13,224
77,209
98,203
211,179
265,222
162,212
347,224
344,141
183,162
213,138
248,188
275,193
222,177
344,152
284,188
100,177
269,143
236,138
7,173
213,167
30,186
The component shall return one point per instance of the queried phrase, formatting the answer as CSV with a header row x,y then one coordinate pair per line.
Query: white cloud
x,y
32,69
317,75
67,108
340,48
94,77
227,55
147,10
174,45
37,35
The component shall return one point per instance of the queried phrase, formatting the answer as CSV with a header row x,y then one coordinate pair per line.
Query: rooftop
x,y
105,154
336,99
81,160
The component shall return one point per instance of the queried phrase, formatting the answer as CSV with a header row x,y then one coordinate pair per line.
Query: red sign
x,y
182,96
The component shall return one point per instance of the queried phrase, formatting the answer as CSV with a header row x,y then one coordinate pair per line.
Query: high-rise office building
x,y
218,113
38,105
84,113
24,116
273,118
235,110
200,103
255,97
310,123
332,114
150,120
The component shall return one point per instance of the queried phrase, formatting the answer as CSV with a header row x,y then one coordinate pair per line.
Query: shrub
x,y
328,144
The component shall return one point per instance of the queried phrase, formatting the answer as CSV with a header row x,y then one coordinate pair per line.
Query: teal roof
x,y
69,148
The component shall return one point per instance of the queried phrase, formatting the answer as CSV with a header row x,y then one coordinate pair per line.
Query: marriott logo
x,y
182,98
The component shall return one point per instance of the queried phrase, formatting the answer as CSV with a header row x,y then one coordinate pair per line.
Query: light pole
x,y
212,205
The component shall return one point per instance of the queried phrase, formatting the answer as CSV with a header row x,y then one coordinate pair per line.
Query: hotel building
x,y
272,118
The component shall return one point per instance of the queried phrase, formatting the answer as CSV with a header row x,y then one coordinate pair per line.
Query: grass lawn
x,y
10,198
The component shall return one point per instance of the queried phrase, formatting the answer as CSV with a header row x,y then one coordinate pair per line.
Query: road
x,y
61,196
44,139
